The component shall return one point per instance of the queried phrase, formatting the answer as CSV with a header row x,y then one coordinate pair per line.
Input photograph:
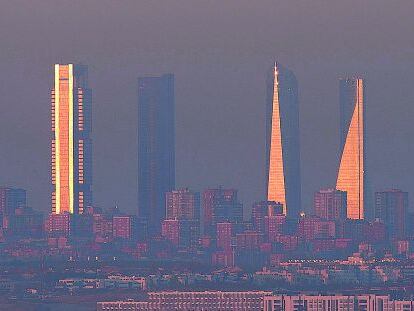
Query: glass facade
x,y
71,161
156,147
283,182
351,173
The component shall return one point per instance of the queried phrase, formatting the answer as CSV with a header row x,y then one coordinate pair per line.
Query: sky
x,y
219,51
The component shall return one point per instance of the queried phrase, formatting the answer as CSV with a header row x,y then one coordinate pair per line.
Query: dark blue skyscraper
x,y
156,147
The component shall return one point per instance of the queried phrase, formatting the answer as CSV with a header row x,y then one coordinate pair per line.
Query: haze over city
x,y
219,53
206,155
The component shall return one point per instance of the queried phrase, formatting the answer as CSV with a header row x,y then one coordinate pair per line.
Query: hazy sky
x,y
219,52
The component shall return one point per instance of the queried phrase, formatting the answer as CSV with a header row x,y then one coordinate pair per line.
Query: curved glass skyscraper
x,y
351,174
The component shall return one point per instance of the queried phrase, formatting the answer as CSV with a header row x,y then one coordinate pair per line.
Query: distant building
x,y
249,240
71,145
224,236
330,204
310,228
391,207
182,204
102,225
274,227
59,225
224,254
352,167
170,230
188,301
220,205
334,302
11,199
156,147
189,233
129,227
123,227
118,282
26,223
283,181
361,230
262,209
182,233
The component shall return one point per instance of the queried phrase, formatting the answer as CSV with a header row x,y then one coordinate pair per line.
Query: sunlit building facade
x,y
156,147
71,145
352,172
283,183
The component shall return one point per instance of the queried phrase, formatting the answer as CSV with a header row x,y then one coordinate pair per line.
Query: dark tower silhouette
x,y
156,147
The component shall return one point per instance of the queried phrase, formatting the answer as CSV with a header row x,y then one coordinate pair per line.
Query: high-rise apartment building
x,y
182,204
330,204
311,227
156,147
26,223
391,208
11,199
283,182
71,143
184,233
263,209
352,168
59,225
224,236
220,205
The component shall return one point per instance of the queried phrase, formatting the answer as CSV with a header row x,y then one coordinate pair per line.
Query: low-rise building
x,y
186,301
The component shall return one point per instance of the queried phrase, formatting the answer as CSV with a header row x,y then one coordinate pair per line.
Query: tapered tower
x,y
283,183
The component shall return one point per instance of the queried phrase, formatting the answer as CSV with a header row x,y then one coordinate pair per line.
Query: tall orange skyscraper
x,y
71,146
283,183
352,174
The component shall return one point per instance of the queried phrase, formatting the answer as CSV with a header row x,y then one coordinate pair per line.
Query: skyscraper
x,y
352,174
282,141
71,145
156,147
391,207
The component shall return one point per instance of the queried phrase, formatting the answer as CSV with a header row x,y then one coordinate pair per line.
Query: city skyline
x,y
234,154
222,72
153,89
